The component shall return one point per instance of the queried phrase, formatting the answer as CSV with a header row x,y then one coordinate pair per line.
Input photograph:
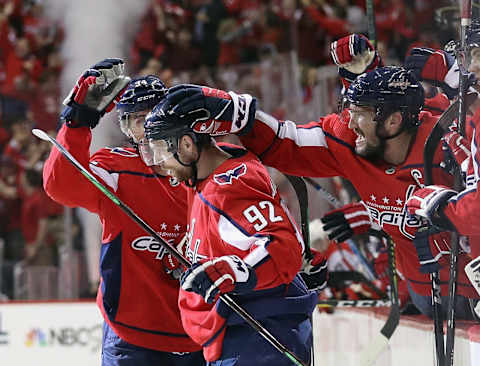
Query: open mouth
x,y
360,140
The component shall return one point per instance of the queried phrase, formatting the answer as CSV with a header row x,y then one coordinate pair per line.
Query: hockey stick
x,y
301,191
300,188
335,203
431,144
466,20
373,350
171,249
376,347
372,32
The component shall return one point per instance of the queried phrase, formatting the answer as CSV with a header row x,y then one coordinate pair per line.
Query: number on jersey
x,y
255,216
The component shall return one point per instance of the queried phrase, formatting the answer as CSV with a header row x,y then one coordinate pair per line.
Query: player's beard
x,y
370,150
181,173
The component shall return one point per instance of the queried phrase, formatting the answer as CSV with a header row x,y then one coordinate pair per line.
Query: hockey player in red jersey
x,y
442,206
241,241
378,147
139,280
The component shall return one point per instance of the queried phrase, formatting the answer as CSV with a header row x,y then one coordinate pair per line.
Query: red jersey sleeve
x,y
464,208
61,180
315,149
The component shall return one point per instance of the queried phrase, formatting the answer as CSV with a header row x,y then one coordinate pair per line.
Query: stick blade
x,y
40,134
370,354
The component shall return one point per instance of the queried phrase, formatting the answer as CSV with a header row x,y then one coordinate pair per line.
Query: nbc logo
x,y
36,337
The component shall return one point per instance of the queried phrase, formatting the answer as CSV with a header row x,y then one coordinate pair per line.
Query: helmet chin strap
x,y
192,182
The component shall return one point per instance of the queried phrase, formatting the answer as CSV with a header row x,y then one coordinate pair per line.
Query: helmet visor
x,y
132,124
155,152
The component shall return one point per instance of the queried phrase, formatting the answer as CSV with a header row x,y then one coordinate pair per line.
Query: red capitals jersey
x,y
237,210
463,209
327,148
136,296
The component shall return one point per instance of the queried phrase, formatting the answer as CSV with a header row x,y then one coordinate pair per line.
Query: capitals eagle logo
x,y
229,175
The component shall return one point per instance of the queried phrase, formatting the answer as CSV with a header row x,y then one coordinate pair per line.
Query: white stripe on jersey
x,y
258,254
230,234
302,136
111,179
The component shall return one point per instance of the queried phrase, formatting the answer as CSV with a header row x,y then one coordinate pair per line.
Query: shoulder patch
x,y
123,152
229,175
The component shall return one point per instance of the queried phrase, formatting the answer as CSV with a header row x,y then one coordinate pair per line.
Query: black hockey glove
x,y
315,271
343,223
95,93
212,111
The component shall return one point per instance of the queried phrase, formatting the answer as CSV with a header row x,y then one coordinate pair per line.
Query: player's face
x,y
367,144
174,169
133,124
168,162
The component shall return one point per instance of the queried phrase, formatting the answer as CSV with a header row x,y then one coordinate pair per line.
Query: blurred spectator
x,y
37,210
208,17
20,137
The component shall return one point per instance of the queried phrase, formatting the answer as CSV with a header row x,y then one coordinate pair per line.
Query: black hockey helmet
x,y
142,94
163,129
389,89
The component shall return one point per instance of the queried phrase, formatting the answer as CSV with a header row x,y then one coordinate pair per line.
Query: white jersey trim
x,y
111,179
230,234
303,136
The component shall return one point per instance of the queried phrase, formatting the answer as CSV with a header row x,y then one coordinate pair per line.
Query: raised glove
x,y
428,203
315,272
95,93
354,55
212,111
213,277
352,219
432,248
458,148
438,67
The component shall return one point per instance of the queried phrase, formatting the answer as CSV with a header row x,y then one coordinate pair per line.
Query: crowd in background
x,y
176,40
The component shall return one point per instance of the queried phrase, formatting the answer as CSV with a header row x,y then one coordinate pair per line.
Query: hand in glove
x,y
95,93
172,266
213,277
314,271
437,67
428,203
212,111
352,219
354,55
456,147
432,248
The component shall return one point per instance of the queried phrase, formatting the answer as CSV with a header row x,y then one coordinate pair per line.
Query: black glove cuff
x,y
347,75
77,115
